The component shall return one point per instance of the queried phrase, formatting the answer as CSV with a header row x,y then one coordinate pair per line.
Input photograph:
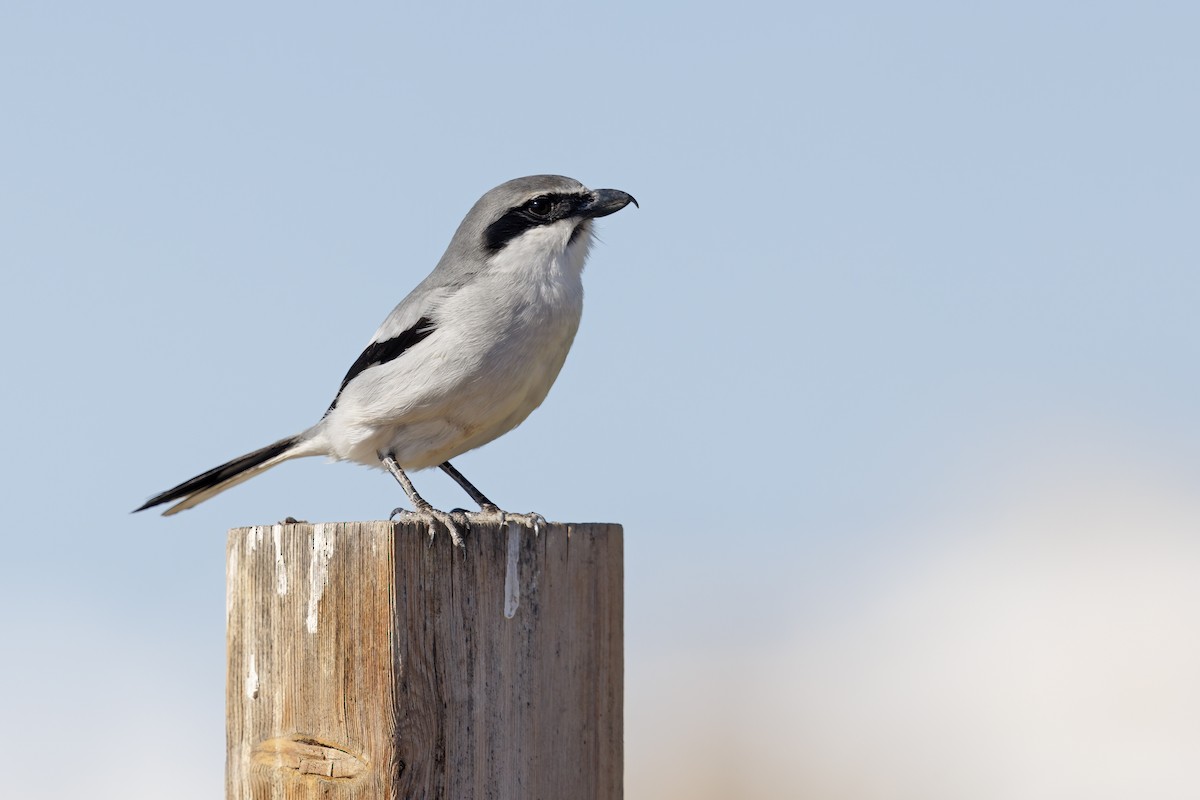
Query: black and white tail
x,y
218,479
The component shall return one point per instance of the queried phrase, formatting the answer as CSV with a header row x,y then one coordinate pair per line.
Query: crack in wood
x,y
306,755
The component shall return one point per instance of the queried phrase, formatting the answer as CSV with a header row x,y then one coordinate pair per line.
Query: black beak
x,y
604,202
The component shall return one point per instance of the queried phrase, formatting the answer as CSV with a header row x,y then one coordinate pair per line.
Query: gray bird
x,y
464,358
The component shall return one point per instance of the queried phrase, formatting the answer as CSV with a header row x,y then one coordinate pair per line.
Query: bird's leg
x,y
489,511
476,495
423,510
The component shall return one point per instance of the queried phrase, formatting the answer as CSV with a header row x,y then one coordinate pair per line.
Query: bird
x,y
463,359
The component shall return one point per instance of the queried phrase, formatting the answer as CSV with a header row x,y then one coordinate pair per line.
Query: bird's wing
x,y
411,322
381,352
419,314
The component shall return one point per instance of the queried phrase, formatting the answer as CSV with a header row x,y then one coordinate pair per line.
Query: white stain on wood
x,y
252,680
231,572
281,584
318,574
512,575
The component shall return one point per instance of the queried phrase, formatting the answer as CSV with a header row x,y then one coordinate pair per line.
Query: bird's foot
x,y
493,515
428,514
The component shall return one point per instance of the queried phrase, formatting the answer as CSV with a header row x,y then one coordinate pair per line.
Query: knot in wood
x,y
305,755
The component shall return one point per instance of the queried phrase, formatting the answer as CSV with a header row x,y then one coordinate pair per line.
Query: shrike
x,y
464,358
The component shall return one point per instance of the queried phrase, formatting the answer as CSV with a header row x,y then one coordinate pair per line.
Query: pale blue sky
x,y
905,279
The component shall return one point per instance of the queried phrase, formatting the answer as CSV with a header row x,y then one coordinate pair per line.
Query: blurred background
x,y
891,380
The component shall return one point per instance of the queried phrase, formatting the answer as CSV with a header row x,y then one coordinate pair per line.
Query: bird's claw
x,y
456,520
495,516
530,520
428,515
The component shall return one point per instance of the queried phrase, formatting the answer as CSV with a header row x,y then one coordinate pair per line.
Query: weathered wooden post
x,y
366,663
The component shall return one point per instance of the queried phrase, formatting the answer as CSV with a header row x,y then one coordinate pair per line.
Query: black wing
x,y
385,351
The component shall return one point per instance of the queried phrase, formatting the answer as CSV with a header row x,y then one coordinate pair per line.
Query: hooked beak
x,y
605,202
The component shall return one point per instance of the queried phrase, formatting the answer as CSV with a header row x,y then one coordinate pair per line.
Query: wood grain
x,y
366,663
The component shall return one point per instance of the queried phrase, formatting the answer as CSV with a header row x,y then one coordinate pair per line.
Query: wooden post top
x,y
366,661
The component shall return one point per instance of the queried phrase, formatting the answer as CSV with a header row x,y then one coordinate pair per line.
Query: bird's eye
x,y
539,206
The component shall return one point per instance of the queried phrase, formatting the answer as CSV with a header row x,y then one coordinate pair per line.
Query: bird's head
x,y
536,217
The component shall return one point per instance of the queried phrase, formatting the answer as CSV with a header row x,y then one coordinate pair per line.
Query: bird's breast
x,y
518,323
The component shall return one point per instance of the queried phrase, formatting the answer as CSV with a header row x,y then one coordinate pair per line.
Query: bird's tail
x,y
218,479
